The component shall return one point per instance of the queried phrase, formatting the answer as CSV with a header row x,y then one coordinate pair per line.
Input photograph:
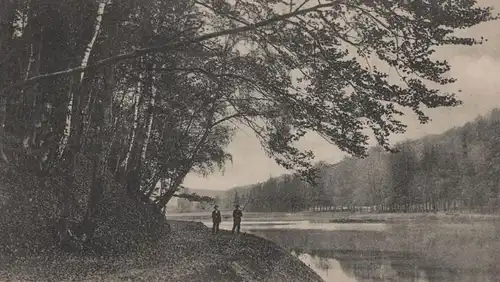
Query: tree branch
x,y
166,47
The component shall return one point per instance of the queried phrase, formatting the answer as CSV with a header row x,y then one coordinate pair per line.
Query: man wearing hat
x,y
216,219
237,214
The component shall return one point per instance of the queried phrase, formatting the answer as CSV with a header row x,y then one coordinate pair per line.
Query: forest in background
x,y
456,170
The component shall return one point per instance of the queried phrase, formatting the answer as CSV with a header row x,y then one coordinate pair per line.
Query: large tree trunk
x,y
84,62
90,45
71,140
3,115
103,123
152,91
69,162
67,125
135,126
33,105
131,166
169,193
7,14
102,148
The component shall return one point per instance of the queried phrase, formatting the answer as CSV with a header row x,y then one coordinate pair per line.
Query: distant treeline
x,y
457,170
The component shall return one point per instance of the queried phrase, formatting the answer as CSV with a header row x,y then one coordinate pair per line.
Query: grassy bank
x,y
189,253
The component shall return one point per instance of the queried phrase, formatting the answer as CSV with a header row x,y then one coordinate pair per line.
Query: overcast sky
x,y
477,69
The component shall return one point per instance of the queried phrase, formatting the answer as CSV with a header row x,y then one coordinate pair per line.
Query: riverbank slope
x,y
189,253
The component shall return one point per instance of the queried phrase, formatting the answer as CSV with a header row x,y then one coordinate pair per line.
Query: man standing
x,y
237,214
216,219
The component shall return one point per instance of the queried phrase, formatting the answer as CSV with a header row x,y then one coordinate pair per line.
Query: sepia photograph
x,y
250,140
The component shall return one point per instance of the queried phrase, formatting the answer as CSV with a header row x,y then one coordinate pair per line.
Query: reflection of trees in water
x,y
319,262
437,275
325,240
352,268
369,267
323,263
327,268
406,266
283,237
391,266
375,265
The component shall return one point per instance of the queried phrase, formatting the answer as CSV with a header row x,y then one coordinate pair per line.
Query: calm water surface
x,y
351,252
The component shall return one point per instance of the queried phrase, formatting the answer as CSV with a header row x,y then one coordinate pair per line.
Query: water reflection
x,y
302,225
343,266
329,269
346,252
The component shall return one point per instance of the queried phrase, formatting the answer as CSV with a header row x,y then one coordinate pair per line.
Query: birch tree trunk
x,y
102,146
135,126
85,59
90,45
152,102
70,158
70,136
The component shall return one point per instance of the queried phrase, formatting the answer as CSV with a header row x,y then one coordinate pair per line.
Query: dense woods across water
x,y
457,170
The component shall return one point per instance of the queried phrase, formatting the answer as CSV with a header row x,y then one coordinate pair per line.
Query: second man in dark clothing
x,y
216,219
237,214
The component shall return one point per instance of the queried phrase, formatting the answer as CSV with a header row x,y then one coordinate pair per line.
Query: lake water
x,y
349,252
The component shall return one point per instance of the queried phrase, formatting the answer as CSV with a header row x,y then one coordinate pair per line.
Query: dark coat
x,y
216,216
237,214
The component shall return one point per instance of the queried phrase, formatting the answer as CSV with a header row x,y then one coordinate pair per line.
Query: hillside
x,y
133,241
188,253
456,170
28,214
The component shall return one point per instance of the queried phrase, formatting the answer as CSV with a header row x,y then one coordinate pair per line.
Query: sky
x,y
476,68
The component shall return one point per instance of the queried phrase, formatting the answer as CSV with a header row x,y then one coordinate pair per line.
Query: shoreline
x,y
189,253
341,217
